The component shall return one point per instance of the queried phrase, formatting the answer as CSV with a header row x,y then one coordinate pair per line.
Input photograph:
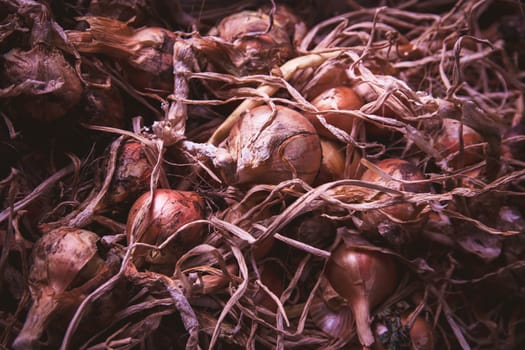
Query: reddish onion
x,y
272,148
396,169
272,276
365,279
169,211
421,334
448,143
337,98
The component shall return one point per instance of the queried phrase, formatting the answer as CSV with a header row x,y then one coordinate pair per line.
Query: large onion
x,y
365,279
270,148
62,259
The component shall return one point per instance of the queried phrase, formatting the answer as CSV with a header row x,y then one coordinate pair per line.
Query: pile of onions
x,y
365,279
63,259
152,222
271,147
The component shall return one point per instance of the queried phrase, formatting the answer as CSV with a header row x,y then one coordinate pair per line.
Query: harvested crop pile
x,y
262,174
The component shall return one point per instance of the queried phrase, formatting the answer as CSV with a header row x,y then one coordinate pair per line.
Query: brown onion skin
x,y
421,334
170,209
447,142
265,50
365,279
337,98
45,65
332,164
376,221
271,149
132,173
272,276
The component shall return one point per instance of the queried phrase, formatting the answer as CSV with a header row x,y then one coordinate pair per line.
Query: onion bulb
x,y
270,148
402,214
272,276
154,223
365,279
421,334
259,43
43,85
337,98
448,143
131,176
64,258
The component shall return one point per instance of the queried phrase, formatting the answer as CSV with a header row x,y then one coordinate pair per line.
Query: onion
x,y
421,334
332,164
271,148
153,224
376,220
64,258
257,46
102,106
365,279
132,173
515,148
448,143
272,276
337,98
41,82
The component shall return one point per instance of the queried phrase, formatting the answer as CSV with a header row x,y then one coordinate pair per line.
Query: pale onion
x,y
271,148
154,223
62,259
365,279
255,48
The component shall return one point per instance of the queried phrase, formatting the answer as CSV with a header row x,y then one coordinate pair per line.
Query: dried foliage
x,y
286,130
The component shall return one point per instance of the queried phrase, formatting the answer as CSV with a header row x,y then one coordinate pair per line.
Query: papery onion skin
x,y
273,148
337,98
448,142
169,210
365,279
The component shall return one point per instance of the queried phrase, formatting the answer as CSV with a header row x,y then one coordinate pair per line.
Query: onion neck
x,y
361,308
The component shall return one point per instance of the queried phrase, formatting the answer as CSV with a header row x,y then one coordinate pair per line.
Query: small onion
x,y
102,106
448,143
272,148
365,279
337,98
375,219
132,173
332,164
421,335
64,258
153,224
